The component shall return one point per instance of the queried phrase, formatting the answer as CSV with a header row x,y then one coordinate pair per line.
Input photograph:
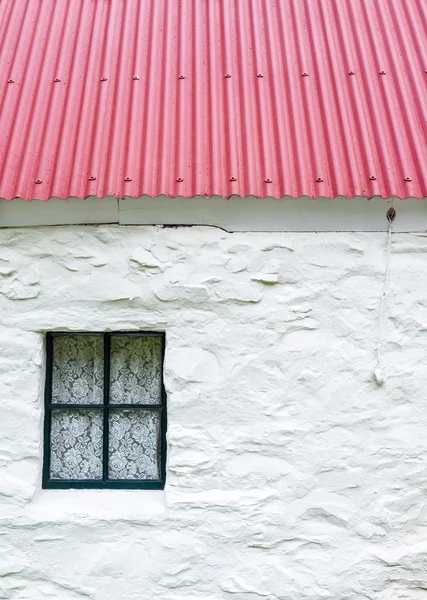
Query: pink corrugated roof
x,y
189,97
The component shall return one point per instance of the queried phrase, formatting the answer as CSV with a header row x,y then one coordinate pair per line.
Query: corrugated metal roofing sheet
x,y
188,97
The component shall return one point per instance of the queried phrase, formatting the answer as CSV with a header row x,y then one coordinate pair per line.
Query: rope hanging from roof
x,y
378,373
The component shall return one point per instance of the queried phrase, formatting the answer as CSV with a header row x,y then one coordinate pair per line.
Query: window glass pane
x,y
136,370
76,444
78,369
134,451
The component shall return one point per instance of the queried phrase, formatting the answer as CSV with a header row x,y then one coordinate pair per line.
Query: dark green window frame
x,y
106,408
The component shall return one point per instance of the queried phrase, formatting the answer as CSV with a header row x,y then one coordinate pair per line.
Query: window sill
x,y
99,505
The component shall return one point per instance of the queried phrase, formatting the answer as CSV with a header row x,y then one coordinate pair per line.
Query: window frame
x,y
106,407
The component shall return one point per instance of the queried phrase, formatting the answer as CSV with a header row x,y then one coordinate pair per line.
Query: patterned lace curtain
x,y
77,435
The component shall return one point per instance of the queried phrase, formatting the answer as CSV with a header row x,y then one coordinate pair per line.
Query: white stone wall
x,y
291,474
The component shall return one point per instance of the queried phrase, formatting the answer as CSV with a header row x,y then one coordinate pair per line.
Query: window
x,y
105,411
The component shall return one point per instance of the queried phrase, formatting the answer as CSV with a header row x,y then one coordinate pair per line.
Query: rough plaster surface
x,y
291,474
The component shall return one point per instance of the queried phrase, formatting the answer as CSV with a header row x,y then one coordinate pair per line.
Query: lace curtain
x,y
134,435
78,370
136,370
134,442
76,445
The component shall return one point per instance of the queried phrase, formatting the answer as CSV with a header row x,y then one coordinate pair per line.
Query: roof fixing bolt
x,y
39,181
179,179
128,179
56,80
10,81
391,213
260,75
372,178
103,79
267,180
319,180
351,72
92,178
305,74
233,179
382,73
135,77
408,179
181,77
227,76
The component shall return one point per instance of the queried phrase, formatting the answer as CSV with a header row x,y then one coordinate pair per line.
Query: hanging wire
x,y
379,377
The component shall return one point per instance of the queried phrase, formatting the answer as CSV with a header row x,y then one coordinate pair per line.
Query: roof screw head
x,y
10,81
319,180
305,74
181,77
372,178
128,179
351,73
179,179
92,178
227,76
57,80
39,181
408,179
382,73
260,75
135,77
267,180
103,79
233,179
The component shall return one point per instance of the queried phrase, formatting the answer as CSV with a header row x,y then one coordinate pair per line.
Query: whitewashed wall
x,y
291,474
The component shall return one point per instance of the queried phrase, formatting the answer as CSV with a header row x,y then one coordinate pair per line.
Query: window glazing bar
x,y
106,428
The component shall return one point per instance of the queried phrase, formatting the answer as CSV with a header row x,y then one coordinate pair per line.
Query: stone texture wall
x,y
291,474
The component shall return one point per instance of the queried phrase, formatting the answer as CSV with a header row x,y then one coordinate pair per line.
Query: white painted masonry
x,y
291,474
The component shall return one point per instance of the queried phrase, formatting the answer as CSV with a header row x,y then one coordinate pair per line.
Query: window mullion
x,y
106,428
